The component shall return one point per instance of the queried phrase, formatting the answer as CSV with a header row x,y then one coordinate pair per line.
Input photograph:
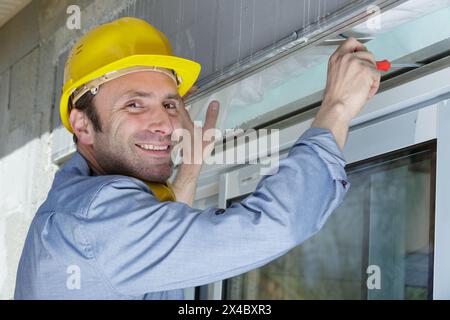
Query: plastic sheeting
x,y
405,29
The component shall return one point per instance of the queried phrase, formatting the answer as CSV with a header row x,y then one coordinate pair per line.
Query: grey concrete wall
x,y
30,44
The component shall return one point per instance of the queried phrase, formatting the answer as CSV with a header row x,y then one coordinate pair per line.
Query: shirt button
x,y
219,211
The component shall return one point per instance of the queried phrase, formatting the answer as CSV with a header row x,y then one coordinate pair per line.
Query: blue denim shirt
x,y
108,237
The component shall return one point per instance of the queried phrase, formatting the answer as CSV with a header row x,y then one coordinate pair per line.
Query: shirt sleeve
x,y
143,245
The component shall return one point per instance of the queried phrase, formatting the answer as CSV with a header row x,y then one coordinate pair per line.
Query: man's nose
x,y
159,121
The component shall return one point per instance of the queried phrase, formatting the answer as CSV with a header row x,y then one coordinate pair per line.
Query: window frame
x,y
400,117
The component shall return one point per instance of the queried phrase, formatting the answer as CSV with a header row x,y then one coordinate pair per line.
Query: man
x,y
110,229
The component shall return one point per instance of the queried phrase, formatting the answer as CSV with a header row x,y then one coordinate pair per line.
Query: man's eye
x,y
170,106
133,105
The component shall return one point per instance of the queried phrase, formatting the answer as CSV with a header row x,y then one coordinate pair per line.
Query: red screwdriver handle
x,y
383,65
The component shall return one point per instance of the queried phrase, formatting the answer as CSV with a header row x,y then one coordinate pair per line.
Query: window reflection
x,y
386,221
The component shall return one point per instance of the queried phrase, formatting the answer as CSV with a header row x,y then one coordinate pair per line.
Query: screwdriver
x,y
383,65
386,65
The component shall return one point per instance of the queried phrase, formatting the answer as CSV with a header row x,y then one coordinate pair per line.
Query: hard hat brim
x,y
187,70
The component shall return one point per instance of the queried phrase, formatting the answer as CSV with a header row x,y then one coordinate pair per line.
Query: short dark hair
x,y
86,104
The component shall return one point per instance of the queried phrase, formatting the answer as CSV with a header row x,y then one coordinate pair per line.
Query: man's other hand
x,y
352,80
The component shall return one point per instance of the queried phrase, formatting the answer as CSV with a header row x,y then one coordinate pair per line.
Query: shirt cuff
x,y
322,141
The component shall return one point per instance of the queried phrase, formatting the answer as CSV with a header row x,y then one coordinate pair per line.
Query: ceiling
x,y
9,8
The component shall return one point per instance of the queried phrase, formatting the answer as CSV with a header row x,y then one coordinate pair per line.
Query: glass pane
x,y
376,245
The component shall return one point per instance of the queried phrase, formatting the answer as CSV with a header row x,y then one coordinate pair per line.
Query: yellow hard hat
x,y
113,49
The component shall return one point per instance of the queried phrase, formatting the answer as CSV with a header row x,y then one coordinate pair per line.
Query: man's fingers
x,y
375,73
374,88
366,56
211,115
351,45
376,77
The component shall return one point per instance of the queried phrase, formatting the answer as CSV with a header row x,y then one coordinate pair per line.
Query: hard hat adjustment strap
x,y
93,85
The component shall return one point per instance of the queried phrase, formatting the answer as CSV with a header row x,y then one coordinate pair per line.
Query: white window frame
x,y
411,113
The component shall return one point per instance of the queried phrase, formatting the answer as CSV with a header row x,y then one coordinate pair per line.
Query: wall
x,y
30,45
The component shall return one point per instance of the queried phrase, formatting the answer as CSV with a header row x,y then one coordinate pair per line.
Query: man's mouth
x,y
155,149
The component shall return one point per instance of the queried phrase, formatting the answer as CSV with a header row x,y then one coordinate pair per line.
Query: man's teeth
x,y
152,147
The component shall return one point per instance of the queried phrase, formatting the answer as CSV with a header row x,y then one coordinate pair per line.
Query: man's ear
x,y
81,127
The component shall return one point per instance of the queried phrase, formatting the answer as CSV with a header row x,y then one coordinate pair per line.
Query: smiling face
x,y
138,113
